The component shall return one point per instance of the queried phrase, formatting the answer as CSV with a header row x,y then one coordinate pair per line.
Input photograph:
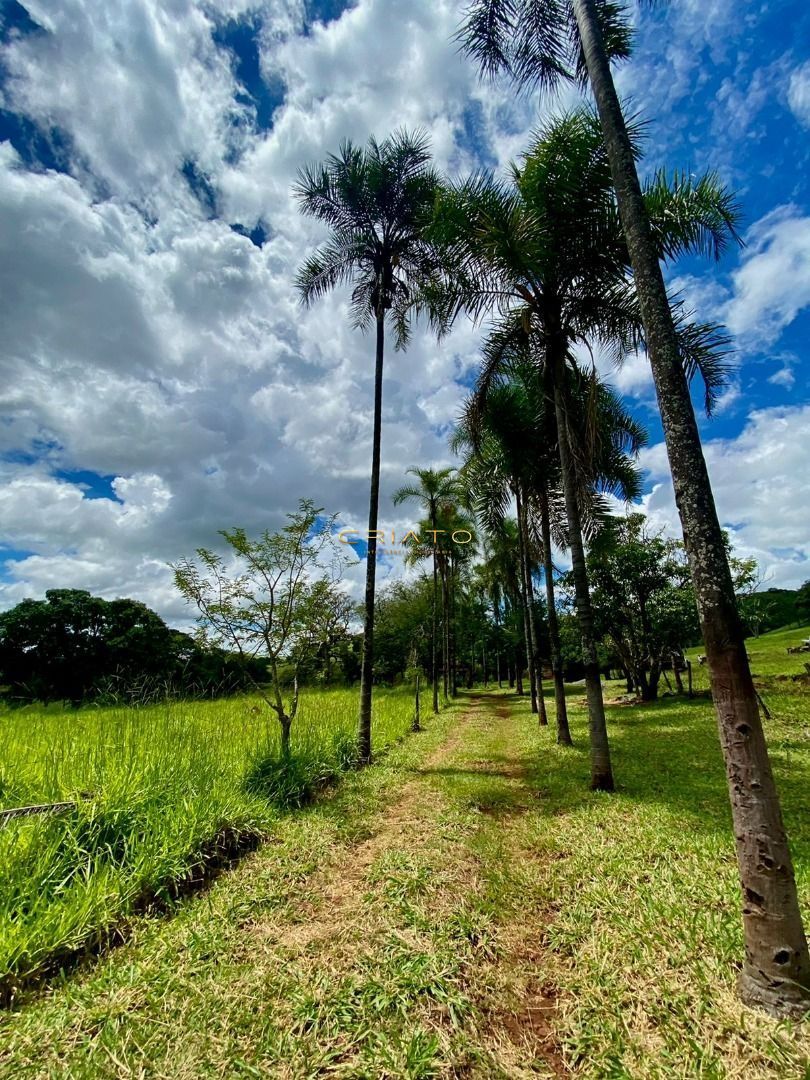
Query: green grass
x,y
465,907
768,653
162,791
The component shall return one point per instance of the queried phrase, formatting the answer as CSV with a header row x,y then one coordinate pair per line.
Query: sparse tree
x,y
267,599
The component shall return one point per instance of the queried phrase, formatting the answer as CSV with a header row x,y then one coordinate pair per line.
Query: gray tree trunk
x,y
528,637
536,662
601,771
563,730
776,973
367,661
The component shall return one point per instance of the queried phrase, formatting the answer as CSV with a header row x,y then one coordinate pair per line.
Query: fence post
x,y
416,725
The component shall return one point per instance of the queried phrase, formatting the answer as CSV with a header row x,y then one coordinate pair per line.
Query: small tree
x,y
642,597
267,600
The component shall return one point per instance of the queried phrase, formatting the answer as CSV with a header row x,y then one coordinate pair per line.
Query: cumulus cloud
x,y
799,93
762,489
772,283
147,341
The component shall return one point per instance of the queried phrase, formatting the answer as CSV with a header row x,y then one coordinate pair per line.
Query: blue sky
x,y
161,381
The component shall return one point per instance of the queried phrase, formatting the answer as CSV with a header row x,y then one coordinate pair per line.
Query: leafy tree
x,y
403,612
375,201
65,646
327,640
268,599
803,602
541,45
642,597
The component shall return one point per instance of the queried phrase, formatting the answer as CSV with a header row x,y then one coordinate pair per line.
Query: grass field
x,y
162,791
465,907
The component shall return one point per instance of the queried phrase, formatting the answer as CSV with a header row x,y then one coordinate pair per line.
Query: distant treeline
x,y
75,647
771,609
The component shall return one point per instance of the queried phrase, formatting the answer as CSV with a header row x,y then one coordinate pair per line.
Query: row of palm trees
x,y
563,255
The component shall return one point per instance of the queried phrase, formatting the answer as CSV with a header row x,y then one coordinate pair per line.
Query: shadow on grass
x,y
664,754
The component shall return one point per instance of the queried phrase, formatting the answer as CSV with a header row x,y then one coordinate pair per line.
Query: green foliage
x,y
642,598
538,45
376,200
402,629
549,239
769,609
72,646
275,599
803,602
160,792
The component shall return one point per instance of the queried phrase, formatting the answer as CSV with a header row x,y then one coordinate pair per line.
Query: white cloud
x,y
145,342
762,489
772,284
799,93
150,344
783,377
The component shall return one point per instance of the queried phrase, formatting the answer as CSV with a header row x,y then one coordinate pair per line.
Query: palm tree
x,y
502,561
541,45
508,407
496,469
375,200
434,488
545,251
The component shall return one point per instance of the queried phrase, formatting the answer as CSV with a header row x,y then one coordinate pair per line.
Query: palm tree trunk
x,y
524,598
563,730
776,973
538,669
451,625
497,641
445,630
601,771
367,661
434,658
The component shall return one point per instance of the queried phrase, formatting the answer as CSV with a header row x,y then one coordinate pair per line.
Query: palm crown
x,y
376,201
545,251
536,43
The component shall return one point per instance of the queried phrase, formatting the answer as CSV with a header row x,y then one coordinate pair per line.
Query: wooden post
x,y
30,811
416,725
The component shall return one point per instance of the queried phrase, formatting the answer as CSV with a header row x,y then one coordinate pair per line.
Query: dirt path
x,y
395,932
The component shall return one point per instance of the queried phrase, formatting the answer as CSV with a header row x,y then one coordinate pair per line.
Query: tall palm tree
x,y
509,407
502,561
541,44
493,435
434,488
376,201
545,251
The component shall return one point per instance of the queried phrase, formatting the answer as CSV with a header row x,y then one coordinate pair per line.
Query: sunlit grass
x,y
160,790
646,924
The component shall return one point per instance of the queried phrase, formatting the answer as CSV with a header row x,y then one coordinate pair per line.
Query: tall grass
x,y
160,792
